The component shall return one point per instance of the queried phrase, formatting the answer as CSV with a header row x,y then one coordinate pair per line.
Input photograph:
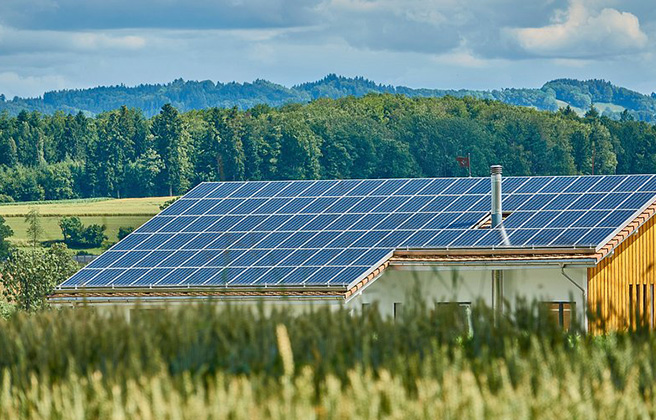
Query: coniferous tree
x,y
171,140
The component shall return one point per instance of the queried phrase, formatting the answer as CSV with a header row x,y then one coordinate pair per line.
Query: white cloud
x,y
582,32
21,41
93,41
13,84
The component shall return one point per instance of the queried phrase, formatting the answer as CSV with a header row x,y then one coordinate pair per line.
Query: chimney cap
x,y
496,169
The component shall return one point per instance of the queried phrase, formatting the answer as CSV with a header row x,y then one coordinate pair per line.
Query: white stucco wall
x,y
469,284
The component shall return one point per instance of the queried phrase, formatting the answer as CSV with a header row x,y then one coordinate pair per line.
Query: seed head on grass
x,y
285,349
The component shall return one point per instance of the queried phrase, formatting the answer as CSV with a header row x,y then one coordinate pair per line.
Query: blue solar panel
x,y
582,184
569,236
510,185
343,204
248,223
413,187
375,255
296,222
533,185
419,238
464,203
365,188
437,186
318,188
649,185
462,186
633,183
515,201
201,224
345,222
129,276
294,277
594,237
389,187
80,278
130,259
590,219
342,188
152,276
106,259
321,239
224,276
155,224
201,190
295,189
271,189
347,276
177,224
565,219
177,241
322,257
177,259
201,207
586,201
443,239
104,277
200,276
225,189
248,206
274,276
300,233
370,238
323,275
558,184
225,206
611,201
517,219
178,207
201,258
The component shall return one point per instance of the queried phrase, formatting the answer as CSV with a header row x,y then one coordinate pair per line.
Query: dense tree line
x,y
192,95
122,153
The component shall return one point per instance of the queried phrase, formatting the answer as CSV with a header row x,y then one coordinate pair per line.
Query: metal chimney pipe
x,y
495,171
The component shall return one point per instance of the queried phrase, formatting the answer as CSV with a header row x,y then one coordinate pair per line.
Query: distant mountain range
x,y
609,99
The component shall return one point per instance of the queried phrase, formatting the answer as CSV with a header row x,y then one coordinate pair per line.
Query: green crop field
x,y
113,213
230,363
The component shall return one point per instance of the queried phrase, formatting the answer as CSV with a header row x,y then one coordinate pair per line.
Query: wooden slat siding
x,y
633,263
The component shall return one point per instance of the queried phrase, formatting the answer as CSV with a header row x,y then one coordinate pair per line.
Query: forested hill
x,y
121,153
610,100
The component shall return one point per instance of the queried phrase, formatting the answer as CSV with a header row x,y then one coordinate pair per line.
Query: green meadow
x,y
113,213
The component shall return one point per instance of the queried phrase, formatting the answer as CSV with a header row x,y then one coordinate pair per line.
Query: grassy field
x,y
113,213
230,363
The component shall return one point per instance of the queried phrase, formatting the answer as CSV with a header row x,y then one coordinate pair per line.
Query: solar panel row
x,y
298,233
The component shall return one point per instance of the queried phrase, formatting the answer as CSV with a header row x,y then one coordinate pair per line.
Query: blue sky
x,y
472,44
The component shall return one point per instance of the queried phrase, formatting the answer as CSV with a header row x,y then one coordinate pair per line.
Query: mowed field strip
x,y
113,213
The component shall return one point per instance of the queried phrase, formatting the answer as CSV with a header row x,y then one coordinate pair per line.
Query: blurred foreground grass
x,y
232,363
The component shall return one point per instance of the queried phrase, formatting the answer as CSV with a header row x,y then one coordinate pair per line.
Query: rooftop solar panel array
x,y
331,233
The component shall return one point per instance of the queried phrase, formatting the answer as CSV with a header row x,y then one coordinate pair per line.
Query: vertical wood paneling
x,y
633,264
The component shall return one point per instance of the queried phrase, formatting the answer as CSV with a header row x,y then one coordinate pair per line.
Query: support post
x,y
497,293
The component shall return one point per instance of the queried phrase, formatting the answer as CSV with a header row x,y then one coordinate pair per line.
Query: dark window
x,y
398,310
561,312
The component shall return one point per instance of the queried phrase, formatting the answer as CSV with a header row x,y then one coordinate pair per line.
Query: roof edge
x,y
629,229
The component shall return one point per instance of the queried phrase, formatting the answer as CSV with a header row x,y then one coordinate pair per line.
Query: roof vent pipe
x,y
495,171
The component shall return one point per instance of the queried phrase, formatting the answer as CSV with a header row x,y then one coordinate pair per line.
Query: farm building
x,y
570,242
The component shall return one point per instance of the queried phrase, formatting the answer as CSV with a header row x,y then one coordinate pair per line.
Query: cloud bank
x,y
49,44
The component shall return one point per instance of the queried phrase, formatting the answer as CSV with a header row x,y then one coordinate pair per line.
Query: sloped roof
x,y
334,234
